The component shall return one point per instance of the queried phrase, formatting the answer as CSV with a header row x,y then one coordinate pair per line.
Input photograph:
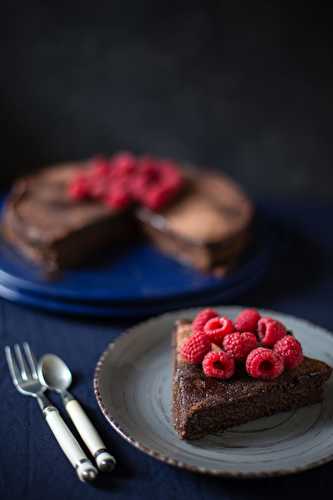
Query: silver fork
x,y
23,370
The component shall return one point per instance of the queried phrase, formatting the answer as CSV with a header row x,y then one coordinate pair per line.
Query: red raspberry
x,y
195,348
156,182
99,167
264,363
118,199
270,331
218,365
239,345
290,350
145,179
149,168
157,197
171,176
217,328
98,187
78,189
138,187
201,319
123,164
247,320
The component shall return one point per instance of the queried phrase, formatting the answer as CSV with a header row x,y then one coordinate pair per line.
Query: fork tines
x,y
20,368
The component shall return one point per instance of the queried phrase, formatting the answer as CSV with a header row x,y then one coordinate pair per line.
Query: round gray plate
x,y
133,388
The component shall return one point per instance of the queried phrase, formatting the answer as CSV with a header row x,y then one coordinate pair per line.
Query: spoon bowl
x,y
54,373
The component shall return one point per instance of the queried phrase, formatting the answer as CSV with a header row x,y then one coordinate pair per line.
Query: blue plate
x,y
138,276
113,311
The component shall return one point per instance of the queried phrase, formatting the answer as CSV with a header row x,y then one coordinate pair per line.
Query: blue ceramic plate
x,y
140,276
122,311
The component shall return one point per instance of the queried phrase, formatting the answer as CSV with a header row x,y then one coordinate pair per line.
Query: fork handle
x,y
104,460
69,445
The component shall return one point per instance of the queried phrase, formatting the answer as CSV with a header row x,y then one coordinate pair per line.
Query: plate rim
x,y
56,306
166,458
259,260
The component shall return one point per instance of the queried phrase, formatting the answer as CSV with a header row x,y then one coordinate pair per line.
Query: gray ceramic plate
x,y
133,388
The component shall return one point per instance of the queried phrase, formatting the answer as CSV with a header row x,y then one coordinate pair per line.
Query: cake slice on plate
x,y
232,386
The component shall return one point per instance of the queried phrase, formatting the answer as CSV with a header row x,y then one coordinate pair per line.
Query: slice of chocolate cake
x,y
207,224
203,405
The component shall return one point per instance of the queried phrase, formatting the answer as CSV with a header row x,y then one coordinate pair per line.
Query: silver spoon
x,y
55,374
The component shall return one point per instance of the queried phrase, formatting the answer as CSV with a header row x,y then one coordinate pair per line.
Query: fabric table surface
x,y
33,467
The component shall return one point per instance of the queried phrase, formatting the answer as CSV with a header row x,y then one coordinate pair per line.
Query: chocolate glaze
x,y
203,405
208,224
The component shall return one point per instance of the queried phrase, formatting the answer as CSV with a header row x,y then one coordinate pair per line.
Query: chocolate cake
x,y
207,225
203,405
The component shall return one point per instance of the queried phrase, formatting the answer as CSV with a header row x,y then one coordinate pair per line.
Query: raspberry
x,y
264,363
218,365
123,164
150,171
157,197
290,350
247,320
217,328
240,344
145,179
270,331
117,199
138,187
201,319
171,176
99,167
78,189
98,187
195,348
155,182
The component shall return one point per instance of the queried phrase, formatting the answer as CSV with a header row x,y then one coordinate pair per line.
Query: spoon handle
x,y
104,460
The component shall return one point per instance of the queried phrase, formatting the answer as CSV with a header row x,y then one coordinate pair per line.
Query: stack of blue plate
x,y
140,282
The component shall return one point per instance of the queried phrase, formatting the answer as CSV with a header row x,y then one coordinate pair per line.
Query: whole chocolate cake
x,y
205,223
207,404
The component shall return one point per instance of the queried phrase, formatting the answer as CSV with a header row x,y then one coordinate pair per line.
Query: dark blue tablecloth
x,y
32,465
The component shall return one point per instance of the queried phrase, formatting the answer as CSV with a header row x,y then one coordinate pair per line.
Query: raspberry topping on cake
x,y
218,365
264,363
201,319
264,356
79,188
290,350
217,328
195,348
240,344
99,167
156,197
118,199
148,181
247,320
123,165
270,331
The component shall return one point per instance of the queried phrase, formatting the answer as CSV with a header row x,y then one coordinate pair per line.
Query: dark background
x,y
245,88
